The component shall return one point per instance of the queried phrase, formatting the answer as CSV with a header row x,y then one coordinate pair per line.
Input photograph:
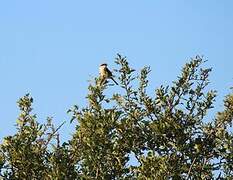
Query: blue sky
x,y
50,48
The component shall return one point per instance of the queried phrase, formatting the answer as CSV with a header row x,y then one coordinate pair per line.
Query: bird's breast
x,y
102,71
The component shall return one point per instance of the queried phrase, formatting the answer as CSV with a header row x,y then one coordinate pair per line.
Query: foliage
x,y
168,134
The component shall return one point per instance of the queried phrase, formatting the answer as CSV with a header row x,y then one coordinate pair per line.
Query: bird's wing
x,y
109,72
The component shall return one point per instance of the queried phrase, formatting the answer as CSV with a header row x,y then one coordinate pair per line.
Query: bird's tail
x,y
114,81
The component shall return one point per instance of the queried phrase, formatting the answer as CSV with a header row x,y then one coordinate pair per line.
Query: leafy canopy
x,y
130,134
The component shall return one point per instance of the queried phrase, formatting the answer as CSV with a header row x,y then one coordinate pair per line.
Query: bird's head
x,y
103,65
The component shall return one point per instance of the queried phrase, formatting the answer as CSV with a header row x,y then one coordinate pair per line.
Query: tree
x,y
168,134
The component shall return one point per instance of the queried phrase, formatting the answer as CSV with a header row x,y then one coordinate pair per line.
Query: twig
x,y
219,176
191,168
54,132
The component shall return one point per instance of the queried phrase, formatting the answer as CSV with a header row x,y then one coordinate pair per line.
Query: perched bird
x,y
105,74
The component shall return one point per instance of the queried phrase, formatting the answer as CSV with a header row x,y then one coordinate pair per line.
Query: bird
x,y
105,74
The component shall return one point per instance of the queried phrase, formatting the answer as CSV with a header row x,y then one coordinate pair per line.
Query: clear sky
x,y
50,48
